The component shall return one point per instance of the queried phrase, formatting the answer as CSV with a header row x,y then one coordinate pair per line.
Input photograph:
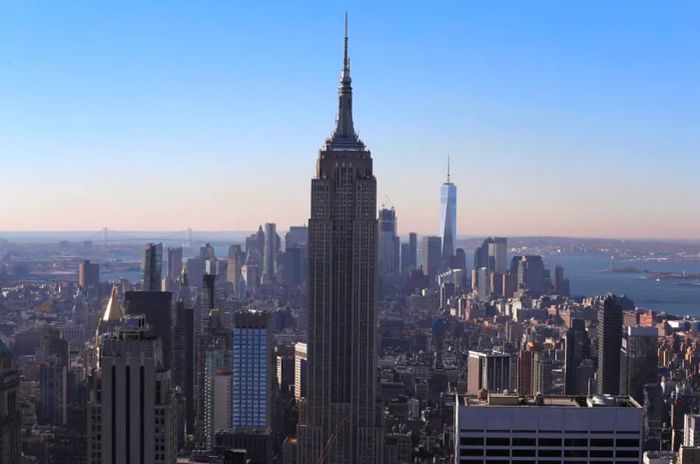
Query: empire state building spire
x,y
344,136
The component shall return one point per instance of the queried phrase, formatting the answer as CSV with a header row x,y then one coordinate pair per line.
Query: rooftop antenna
x,y
346,64
448,168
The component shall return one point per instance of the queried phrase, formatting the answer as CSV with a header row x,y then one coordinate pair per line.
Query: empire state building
x,y
340,421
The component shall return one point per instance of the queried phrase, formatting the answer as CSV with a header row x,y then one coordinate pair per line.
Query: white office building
x,y
510,429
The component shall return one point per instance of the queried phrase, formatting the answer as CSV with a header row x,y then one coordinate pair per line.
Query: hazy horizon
x,y
199,234
568,119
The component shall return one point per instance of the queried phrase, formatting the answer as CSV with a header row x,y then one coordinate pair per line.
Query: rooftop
x,y
595,401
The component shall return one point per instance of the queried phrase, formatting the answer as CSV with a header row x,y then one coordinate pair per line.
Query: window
x,y
550,453
497,441
575,453
497,452
626,454
602,442
549,442
523,452
471,441
524,442
629,442
576,442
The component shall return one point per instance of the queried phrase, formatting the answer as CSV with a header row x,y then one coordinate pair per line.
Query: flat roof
x,y
511,400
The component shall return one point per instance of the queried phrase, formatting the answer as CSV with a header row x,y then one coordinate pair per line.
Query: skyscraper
x,y
342,396
270,250
448,217
216,388
152,267
53,385
388,242
638,361
88,274
156,306
252,371
409,253
10,425
207,296
609,343
135,411
431,255
498,253
234,270
531,273
490,371
183,358
174,269
492,254
297,241
301,369
578,348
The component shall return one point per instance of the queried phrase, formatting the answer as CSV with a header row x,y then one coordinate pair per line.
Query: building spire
x,y
448,168
345,129
346,62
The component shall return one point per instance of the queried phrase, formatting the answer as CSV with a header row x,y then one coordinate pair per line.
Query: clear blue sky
x,y
562,118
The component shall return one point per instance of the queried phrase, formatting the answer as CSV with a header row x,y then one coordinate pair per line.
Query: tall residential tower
x,y
341,406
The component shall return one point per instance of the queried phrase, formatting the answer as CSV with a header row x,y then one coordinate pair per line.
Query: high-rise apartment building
x,y
252,371
214,337
448,218
388,242
216,391
152,267
609,344
342,394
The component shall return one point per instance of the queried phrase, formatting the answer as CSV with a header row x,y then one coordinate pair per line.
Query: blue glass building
x,y
251,382
448,217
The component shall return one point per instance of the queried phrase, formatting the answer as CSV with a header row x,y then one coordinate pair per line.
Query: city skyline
x,y
330,339
547,99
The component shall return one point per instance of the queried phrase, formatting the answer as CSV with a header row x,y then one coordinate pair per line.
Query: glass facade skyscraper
x,y
251,382
448,217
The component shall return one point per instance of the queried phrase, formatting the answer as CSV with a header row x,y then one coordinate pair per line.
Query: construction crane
x,y
334,436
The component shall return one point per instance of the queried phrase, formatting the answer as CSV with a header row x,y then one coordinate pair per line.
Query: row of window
x,y
557,461
522,441
570,453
